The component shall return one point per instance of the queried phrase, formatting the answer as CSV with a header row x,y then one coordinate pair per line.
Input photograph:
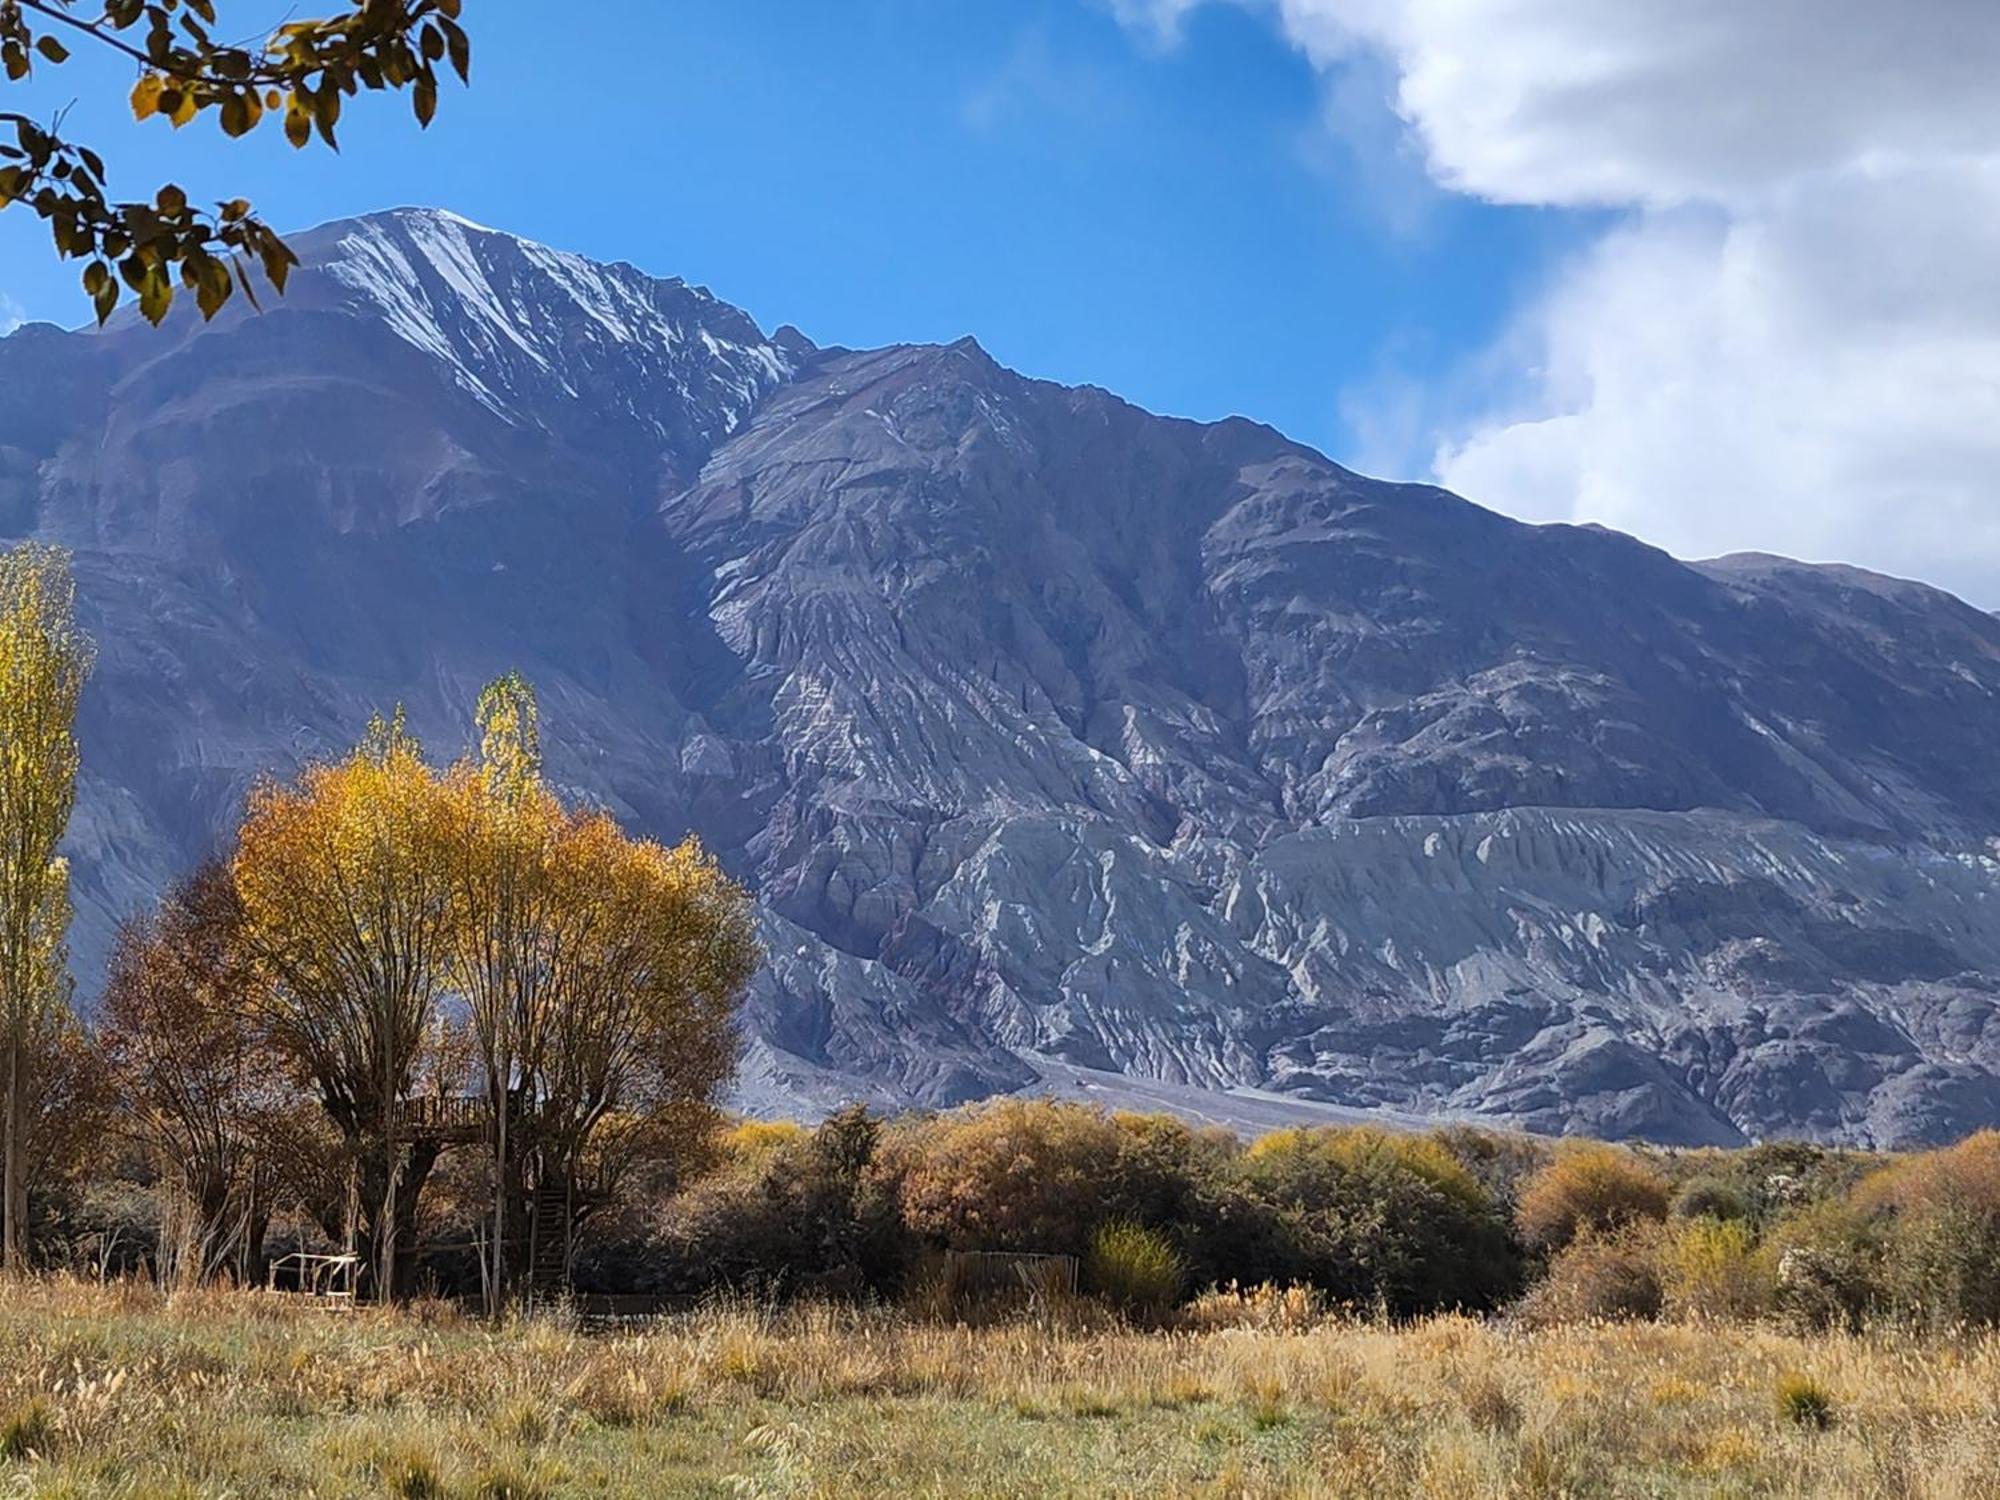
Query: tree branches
x,y
300,74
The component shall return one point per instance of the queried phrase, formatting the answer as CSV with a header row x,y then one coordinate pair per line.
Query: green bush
x,y
790,1212
1501,1160
1712,1198
1135,1268
1711,1268
1827,1264
1376,1219
1783,1177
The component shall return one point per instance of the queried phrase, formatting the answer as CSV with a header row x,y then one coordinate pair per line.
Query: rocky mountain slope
x,y
1067,746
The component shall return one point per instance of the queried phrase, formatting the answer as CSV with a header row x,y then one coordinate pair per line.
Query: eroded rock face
x,y
1061,742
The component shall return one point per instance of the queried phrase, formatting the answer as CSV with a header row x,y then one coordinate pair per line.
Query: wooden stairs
x,y
548,1241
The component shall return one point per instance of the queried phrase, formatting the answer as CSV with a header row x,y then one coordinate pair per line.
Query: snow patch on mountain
x,y
515,322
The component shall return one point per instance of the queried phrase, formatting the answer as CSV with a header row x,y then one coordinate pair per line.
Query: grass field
x,y
114,1392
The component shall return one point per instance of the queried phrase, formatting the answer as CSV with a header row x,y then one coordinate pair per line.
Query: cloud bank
x,y
1790,339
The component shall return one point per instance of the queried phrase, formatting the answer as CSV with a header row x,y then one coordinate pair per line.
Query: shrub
x,y
1611,1276
1804,1402
793,1211
1135,1268
1939,1218
1711,1198
1711,1268
1501,1161
1379,1219
1597,1188
1011,1174
1826,1265
1784,1176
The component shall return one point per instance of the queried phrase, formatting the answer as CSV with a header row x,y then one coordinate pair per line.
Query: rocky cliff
x,y
1065,745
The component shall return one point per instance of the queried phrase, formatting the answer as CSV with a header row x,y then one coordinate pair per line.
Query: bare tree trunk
x,y
385,1248
10,1226
502,1183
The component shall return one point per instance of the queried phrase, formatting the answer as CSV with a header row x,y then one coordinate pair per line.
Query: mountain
x,y
1066,746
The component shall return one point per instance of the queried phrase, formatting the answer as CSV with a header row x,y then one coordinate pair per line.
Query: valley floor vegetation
x,y
1317,1312
121,1391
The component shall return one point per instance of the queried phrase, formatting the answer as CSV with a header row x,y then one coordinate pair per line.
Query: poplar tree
x,y
507,930
44,659
640,1034
347,905
600,974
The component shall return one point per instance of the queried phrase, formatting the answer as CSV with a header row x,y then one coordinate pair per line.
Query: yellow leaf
x,y
146,96
156,294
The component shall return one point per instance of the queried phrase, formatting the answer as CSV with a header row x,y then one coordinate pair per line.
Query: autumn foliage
x,y
1599,1189
200,1081
463,934
398,961
44,660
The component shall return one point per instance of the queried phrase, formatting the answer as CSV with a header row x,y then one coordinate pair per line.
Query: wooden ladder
x,y
548,1269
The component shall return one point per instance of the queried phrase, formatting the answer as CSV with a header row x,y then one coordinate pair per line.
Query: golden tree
x,y
640,1036
301,73
44,660
193,1070
507,926
347,904
419,929
600,974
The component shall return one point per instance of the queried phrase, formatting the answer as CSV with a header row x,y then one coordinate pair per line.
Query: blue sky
x,y
1175,223
1715,273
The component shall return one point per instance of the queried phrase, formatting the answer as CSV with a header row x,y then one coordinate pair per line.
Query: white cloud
x,y
1667,101
11,315
1791,338
1159,20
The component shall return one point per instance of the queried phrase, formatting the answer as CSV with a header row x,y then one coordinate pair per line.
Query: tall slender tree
x,y
44,660
506,928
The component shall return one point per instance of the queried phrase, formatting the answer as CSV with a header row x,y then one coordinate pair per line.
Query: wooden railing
x,y
463,1115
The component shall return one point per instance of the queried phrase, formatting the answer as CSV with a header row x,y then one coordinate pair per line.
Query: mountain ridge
x,y
1058,740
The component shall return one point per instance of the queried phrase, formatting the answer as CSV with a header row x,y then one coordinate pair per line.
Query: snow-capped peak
x,y
518,324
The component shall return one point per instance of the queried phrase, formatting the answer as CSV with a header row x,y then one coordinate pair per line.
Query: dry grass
x,y
120,1394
